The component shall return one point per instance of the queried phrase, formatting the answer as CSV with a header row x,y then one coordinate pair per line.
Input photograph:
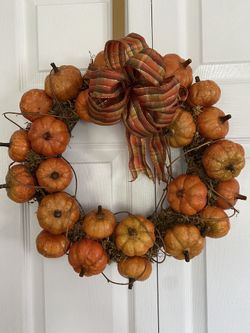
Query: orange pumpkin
x,y
54,174
135,269
81,105
99,61
51,246
228,193
134,235
35,103
87,257
212,123
183,241
99,224
179,67
182,130
58,212
223,160
63,83
20,184
203,93
187,194
19,146
216,221
49,136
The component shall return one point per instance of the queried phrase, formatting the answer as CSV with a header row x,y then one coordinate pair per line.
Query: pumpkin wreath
x,y
160,107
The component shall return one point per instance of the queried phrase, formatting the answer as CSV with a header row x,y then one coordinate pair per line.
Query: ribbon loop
x,y
149,65
133,88
117,52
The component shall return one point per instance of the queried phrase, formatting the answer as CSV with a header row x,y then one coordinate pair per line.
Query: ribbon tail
x,y
157,148
137,156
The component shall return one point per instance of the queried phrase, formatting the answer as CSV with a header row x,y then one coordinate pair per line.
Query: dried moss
x,y
66,112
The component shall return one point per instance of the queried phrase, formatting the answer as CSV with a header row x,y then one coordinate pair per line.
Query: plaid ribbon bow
x,y
133,88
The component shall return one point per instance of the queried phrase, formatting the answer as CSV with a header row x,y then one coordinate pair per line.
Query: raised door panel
x,y
64,32
60,300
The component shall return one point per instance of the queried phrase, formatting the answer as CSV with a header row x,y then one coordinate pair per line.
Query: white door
x,y
208,295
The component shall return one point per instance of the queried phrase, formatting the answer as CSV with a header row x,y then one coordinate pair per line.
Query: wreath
x,y
160,107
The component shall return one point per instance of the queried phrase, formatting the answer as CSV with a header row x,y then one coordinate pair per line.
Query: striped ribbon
x,y
132,88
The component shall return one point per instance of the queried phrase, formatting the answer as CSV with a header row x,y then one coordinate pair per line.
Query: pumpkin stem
x,y
186,63
186,255
197,79
4,144
55,175
204,230
82,271
183,92
46,135
180,193
130,283
53,65
4,186
132,232
241,197
99,213
230,167
57,213
223,119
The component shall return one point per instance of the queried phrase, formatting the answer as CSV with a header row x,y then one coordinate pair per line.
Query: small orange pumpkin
x,y
187,194
87,257
99,61
99,224
81,105
51,246
182,130
179,67
35,103
58,212
223,160
63,83
48,136
135,269
212,123
228,193
134,235
19,146
20,184
203,93
54,174
216,221
183,241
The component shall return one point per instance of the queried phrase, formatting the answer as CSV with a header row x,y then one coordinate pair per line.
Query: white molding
x,y
226,73
33,283
121,301
199,293
28,316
